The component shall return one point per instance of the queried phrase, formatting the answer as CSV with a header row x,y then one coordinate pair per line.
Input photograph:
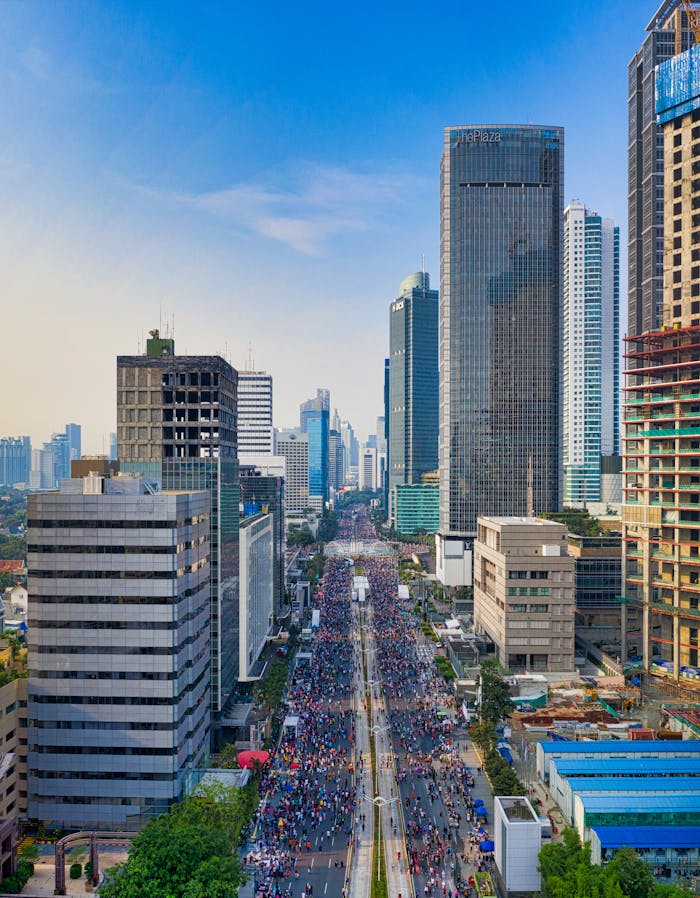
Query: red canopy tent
x,y
248,759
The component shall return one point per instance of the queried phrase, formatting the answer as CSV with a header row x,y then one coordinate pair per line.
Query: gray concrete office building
x,y
499,328
118,702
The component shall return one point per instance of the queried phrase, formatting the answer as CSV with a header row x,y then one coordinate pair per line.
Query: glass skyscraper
x,y
413,383
500,299
314,417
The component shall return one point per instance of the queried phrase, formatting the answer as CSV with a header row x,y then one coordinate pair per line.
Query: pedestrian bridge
x,y
351,548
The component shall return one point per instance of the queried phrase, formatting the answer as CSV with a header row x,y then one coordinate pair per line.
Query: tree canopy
x,y
567,872
495,694
190,852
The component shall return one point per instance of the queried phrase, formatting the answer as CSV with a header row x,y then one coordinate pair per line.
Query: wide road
x,y
314,829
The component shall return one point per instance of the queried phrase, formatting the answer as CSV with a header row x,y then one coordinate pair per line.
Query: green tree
x,y
190,851
630,871
483,734
495,695
13,547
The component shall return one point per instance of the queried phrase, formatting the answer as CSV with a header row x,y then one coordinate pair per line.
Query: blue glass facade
x,y
500,299
315,421
678,85
413,383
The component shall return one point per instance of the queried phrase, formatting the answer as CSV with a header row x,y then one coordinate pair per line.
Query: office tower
x,y
591,334
524,592
59,447
667,34
119,665
294,446
367,473
176,425
661,515
73,432
387,418
352,445
113,446
336,461
417,506
413,383
262,490
314,419
15,460
500,300
257,592
255,431
597,578
41,476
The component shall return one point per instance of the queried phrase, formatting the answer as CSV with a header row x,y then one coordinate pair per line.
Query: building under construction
x,y
661,514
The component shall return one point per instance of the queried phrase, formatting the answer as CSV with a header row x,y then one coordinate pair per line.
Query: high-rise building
x,y
352,446
41,476
661,514
257,590
176,425
113,446
336,461
413,383
15,460
591,335
118,702
59,447
255,431
667,34
500,300
73,432
262,488
367,473
314,418
293,444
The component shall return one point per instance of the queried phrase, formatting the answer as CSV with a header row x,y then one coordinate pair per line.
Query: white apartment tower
x,y
293,444
255,431
591,335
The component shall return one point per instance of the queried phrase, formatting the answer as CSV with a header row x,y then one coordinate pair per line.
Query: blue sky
x,y
265,175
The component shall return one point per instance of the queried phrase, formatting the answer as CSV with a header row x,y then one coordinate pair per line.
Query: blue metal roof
x,y
634,783
648,836
623,746
626,766
640,803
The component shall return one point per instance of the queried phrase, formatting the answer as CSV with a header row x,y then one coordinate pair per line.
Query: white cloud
x,y
315,204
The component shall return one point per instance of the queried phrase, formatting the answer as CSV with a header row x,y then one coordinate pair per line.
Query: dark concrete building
x,y
177,424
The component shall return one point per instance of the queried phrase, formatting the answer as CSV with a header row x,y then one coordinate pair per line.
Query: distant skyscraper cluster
x,y
39,469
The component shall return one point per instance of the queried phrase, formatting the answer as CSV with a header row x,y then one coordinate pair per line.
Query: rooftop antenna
x,y
251,360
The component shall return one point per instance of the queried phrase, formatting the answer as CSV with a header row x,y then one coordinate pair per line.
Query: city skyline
x,y
187,181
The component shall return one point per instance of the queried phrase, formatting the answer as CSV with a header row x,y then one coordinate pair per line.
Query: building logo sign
x,y
476,136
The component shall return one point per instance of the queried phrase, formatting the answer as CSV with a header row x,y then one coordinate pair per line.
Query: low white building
x,y
517,843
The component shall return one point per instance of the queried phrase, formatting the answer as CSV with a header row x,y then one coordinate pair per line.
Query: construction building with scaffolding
x,y
661,490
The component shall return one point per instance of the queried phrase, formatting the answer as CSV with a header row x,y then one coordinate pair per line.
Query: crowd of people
x,y
310,803
421,716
